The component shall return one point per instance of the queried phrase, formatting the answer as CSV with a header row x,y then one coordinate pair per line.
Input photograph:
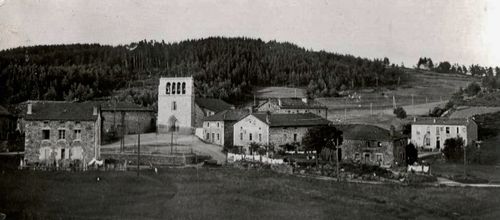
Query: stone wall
x,y
55,150
286,135
381,153
156,159
132,122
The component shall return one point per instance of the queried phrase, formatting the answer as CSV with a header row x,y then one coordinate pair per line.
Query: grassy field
x,y
228,193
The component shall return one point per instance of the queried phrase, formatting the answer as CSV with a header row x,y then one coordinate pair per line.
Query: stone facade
x,y
199,115
250,129
57,142
432,135
213,132
132,122
382,153
176,104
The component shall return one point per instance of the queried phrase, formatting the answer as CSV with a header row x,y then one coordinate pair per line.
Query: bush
x,y
411,154
472,89
400,112
453,149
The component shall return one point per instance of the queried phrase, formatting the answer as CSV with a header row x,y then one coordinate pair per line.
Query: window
x,y
217,124
379,144
173,88
217,136
208,136
178,88
368,144
260,137
241,136
183,88
46,134
458,131
294,137
380,158
167,88
250,136
213,136
62,134
356,156
78,134
174,105
437,130
447,130
208,124
63,153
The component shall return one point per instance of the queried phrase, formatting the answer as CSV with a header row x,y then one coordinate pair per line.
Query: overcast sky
x,y
403,30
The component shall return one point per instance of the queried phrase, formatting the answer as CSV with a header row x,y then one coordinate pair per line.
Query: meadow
x,y
229,193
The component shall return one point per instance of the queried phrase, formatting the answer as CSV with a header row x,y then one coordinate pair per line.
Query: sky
x,y
459,31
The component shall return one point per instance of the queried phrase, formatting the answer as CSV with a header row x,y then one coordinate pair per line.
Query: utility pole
x,y
465,160
338,165
138,152
172,140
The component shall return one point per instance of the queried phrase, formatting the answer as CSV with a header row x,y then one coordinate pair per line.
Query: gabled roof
x,y
229,115
366,132
215,105
291,120
441,121
119,106
294,103
52,110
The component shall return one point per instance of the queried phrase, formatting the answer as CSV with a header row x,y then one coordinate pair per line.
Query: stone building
x,y
178,110
205,107
293,106
431,133
61,132
275,129
218,128
122,118
372,145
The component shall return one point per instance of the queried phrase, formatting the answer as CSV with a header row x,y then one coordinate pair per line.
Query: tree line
x,y
226,68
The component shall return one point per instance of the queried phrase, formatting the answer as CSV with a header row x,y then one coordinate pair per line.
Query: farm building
x,y
179,110
218,128
275,129
61,132
293,106
431,133
369,144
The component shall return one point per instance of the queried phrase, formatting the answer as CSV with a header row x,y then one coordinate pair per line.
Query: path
x,y
448,182
161,143
428,154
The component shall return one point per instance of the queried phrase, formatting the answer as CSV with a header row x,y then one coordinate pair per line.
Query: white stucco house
x,y
431,133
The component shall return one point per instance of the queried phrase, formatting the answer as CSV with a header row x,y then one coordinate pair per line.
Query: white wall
x,y
184,104
418,133
250,125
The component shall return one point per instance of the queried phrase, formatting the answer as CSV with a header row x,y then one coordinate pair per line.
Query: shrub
x,y
411,154
472,89
400,112
453,149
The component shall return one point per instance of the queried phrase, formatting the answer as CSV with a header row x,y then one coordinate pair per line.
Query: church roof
x,y
291,120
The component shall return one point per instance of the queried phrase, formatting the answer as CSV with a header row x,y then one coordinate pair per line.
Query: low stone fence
x,y
154,159
257,158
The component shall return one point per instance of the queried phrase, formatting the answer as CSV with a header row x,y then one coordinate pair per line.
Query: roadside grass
x,y
229,193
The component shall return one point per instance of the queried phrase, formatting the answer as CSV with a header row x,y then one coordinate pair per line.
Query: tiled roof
x,y
229,115
441,121
119,106
366,132
215,105
291,120
295,103
50,110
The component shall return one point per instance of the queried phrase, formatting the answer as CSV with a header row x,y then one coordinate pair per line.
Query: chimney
x,y
250,110
304,100
279,101
95,111
267,118
30,108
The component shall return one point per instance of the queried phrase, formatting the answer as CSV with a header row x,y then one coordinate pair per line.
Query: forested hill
x,y
227,68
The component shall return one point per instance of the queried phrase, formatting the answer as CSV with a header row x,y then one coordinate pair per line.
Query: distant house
x,y
276,129
293,106
431,133
218,128
61,132
205,107
372,145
